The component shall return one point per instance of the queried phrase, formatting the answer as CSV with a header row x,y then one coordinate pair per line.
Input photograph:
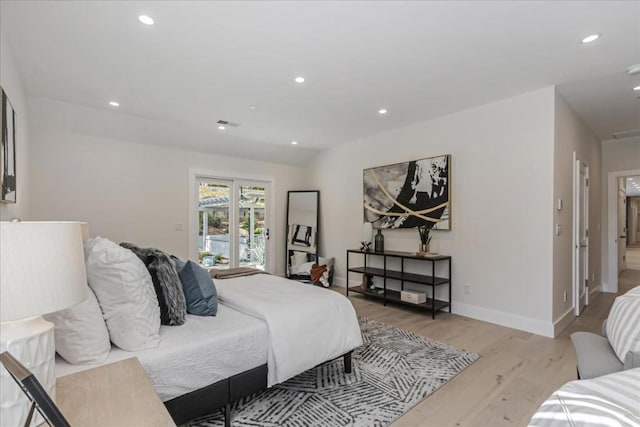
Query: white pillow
x,y
623,325
125,292
298,258
80,333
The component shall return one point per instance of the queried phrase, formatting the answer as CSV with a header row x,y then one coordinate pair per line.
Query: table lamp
x,y
41,271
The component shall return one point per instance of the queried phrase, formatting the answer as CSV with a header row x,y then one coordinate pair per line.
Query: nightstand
x,y
118,394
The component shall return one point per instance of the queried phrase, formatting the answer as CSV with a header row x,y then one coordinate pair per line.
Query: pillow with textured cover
x,y
124,290
199,290
166,283
623,325
80,333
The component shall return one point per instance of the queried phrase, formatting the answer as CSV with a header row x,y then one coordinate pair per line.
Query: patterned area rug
x,y
392,372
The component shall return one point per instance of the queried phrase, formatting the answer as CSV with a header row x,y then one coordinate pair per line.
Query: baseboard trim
x,y
563,321
487,315
509,320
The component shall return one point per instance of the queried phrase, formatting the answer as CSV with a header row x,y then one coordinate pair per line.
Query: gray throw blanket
x,y
230,273
166,282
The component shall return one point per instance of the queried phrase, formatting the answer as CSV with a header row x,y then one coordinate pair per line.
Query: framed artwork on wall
x,y
7,151
409,194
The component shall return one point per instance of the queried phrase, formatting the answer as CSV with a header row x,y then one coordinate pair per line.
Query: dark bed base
x,y
223,393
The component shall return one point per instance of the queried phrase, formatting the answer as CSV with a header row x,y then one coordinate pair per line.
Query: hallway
x,y
633,257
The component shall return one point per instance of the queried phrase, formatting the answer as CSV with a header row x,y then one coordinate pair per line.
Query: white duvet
x,y
307,325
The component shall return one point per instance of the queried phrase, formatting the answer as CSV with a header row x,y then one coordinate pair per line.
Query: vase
x,y
424,248
379,242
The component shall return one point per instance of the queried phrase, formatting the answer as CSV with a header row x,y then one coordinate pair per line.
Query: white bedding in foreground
x,y
308,325
610,400
201,352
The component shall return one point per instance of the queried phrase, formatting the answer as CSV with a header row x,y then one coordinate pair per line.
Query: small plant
x,y
204,254
424,231
218,257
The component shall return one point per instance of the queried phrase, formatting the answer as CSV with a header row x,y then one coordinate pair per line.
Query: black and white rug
x,y
392,372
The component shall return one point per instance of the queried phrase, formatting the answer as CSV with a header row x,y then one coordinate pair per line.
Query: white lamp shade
x,y
367,232
41,268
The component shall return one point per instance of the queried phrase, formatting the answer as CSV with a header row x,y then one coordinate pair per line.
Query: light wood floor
x,y
516,372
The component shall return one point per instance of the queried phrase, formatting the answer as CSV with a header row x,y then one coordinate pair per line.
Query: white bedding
x,y
308,325
201,352
607,401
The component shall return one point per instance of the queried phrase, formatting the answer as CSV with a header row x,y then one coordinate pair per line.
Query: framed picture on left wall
x,y
7,151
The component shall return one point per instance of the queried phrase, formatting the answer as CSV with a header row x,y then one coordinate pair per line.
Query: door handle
x,y
622,237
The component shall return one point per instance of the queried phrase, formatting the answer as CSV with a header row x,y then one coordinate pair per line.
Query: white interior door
x,y
622,226
581,237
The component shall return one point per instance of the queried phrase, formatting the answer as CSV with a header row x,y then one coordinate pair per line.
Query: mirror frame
x,y
311,255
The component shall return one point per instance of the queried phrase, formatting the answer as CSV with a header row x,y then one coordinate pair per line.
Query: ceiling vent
x,y
626,134
227,123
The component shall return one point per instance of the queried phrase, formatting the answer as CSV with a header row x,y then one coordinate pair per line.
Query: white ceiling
x,y
204,61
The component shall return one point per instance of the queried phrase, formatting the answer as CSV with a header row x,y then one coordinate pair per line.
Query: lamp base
x,y
31,342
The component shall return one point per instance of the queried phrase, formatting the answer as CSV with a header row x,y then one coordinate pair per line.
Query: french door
x,y
232,222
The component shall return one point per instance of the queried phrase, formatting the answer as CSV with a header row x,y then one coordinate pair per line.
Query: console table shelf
x,y
394,296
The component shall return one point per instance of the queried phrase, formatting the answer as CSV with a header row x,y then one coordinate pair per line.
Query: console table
x,y
117,394
391,295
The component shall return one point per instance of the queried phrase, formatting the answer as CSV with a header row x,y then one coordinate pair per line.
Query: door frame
x,y
193,227
577,201
611,247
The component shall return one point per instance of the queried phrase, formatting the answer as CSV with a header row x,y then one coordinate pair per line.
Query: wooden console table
x,y
117,394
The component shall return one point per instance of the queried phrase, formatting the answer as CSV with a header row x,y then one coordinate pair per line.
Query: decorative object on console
x,y
367,230
409,194
7,150
424,231
379,242
56,283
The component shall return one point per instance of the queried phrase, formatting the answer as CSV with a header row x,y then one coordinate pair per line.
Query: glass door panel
x,y
214,249
252,226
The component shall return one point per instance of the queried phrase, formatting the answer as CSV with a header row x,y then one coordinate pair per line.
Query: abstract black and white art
x,y
7,151
409,194
301,235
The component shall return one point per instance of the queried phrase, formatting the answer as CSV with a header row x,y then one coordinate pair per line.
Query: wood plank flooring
x,y
516,372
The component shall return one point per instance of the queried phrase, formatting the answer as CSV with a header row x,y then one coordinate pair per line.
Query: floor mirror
x,y
302,233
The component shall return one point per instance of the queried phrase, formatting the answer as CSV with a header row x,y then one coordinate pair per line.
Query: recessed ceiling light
x,y
114,103
252,107
300,79
145,19
636,88
221,127
591,38
382,111
294,142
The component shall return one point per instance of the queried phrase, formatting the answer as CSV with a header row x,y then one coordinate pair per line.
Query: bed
x,y
609,400
308,325
267,330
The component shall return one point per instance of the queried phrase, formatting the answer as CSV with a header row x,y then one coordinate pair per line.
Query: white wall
x,y
502,196
571,135
617,156
11,82
135,192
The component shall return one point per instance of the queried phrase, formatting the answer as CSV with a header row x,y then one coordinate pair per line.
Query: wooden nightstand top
x,y
118,394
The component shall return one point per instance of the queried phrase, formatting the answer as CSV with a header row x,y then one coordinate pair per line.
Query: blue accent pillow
x,y
199,290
